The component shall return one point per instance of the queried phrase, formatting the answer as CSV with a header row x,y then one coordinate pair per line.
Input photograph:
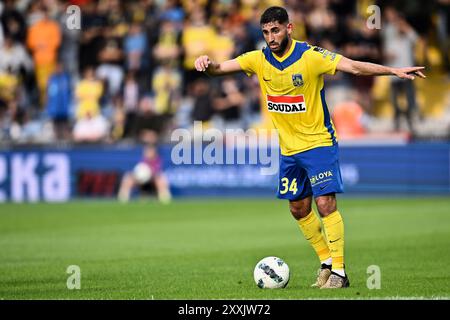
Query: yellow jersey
x,y
293,92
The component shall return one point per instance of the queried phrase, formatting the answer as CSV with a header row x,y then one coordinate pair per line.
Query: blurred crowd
x,y
116,71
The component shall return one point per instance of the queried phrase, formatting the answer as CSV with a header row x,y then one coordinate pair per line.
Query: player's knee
x,y
326,205
127,179
299,211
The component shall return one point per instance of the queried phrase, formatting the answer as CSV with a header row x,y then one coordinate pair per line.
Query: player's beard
x,y
282,45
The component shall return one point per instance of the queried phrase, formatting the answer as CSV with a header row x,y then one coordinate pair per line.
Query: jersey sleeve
x,y
323,61
249,61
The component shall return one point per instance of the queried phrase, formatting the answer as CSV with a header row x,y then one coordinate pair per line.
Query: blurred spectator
x,y
130,101
252,110
110,69
13,57
222,47
27,129
228,104
87,93
9,88
399,43
253,28
130,93
167,45
348,118
298,19
322,23
15,69
59,102
147,125
166,85
13,22
44,39
91,39
118,124
34,13
196,40
242,42
202,106
5,121
91,128
363,44
135,44
173,12
418,13
115,15
147,175
443,31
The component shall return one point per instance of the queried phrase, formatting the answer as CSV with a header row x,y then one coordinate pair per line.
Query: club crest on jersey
x,y
297,80
286,104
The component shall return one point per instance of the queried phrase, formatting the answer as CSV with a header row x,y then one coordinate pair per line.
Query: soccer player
x,y
147,174
290,74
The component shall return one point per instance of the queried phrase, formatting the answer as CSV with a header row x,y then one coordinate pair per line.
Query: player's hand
x,y
202,63
409,72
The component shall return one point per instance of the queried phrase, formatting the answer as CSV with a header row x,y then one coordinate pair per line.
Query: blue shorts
x,y
313,172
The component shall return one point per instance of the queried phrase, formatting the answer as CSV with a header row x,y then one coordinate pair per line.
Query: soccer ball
x,y
271,273
142,173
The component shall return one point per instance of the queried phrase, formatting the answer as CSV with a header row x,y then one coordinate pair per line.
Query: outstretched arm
x,y
204,63
360,68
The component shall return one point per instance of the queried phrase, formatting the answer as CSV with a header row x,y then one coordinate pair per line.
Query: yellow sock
x,y
334,230
310,226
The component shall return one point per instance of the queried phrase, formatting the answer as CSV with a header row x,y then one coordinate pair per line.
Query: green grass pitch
x,y
194,249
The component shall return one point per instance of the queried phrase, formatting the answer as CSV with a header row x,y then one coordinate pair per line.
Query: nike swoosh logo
x,y
309,239
331,241
323,187
266,79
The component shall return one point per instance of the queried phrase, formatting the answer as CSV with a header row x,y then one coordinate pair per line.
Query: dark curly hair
x,y
274,14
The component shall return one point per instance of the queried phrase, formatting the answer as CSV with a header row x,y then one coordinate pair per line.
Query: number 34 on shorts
x,y
288,186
